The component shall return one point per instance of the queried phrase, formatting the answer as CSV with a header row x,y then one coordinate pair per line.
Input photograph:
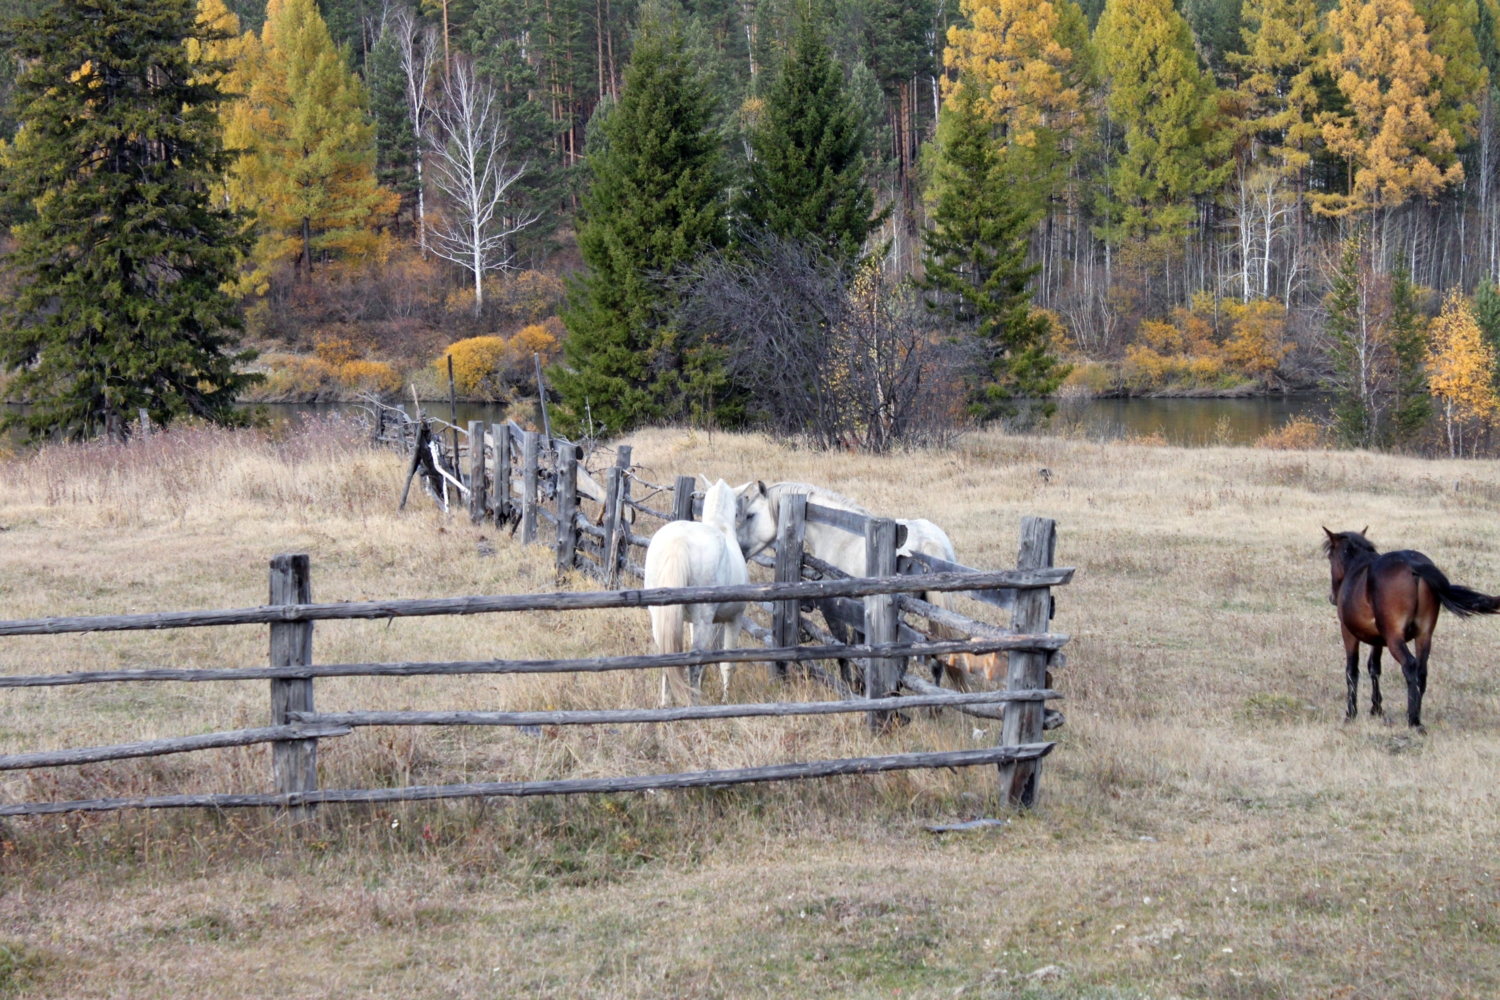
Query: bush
x,y
295,379
1297,434
369,376
477,366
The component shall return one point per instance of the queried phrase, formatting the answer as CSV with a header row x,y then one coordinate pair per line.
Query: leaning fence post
x,y
791,527
882,676
500,474
294,763
567,508
682,498
530,445
1028,670
611,523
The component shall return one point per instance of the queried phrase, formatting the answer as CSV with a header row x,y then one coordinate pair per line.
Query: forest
x,y
859,222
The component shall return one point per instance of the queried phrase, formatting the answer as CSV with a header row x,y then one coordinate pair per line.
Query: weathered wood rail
x,y
525,471
297,726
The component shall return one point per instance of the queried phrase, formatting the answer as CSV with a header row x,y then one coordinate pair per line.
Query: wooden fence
x,y
532,482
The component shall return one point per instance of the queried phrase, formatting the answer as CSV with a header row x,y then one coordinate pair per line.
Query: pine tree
x,y
1169,110
121,304
1380,57
308,170
395,139
1030,64
976,266
1462,369
1452,35
1279,86
1411,406
1355,347
656,203
807,175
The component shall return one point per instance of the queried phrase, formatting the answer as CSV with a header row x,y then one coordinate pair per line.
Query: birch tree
x,y
470,144
418,53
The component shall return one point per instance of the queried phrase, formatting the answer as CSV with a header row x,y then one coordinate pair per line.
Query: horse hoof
x,y
1377,712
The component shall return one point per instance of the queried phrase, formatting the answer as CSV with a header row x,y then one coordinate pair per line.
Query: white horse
x,y
697,554
761,507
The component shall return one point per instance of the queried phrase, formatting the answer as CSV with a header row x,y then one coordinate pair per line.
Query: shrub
x,y
1297,434
477,366
369,376
337,351
296,379
1092,377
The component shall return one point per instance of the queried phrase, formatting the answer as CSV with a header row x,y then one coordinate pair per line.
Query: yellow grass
x,y
1205,796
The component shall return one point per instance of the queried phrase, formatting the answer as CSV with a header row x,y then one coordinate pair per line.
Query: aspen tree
x,y
1461,369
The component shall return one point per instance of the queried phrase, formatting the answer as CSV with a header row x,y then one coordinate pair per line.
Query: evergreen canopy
x,y
123,264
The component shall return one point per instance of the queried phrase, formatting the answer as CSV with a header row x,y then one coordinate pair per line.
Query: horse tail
x,y
669,569
1460,600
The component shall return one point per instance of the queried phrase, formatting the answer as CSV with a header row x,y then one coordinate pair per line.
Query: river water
x,y
1193,422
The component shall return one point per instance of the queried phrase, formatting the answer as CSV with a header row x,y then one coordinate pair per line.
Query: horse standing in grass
x,y
697,554
1387,601
761,508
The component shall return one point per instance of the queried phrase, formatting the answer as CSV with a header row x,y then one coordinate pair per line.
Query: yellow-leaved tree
x,y
1029,64
1381,60
308,166
1460,369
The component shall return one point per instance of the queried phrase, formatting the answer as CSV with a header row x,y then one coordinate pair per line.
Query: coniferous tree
x,y
1411,405
1168,109
395,138
122,266
308,167
1487,315
807,175
977,271
1354,348
656,203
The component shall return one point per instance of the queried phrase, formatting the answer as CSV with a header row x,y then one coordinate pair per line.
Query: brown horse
x,y
1387,601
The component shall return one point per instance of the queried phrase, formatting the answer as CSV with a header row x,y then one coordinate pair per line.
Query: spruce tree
x,y
976,266
1352,349
1487,314
807,175
655,204
395,139
1411,404
122,265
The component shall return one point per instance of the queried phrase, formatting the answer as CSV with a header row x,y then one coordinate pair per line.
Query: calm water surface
x,y
1179,421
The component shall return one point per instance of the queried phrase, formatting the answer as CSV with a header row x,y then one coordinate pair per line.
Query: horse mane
x,y
1357,543
720,504
825,497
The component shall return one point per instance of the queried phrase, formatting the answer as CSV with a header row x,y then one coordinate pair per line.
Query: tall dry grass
x,y
1205,794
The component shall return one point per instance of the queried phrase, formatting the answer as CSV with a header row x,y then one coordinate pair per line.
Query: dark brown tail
x,y
1460,600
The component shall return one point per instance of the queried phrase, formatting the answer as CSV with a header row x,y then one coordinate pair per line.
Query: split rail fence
x,y
511,476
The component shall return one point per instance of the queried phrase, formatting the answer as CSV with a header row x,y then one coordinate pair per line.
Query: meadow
x,y
1209,825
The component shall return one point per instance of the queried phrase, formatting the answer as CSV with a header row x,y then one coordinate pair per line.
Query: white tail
x,y
668,622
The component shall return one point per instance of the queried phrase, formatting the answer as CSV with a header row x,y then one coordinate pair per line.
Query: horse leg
x,y
731,640
1351,675
1408,662
1374,668
1424,649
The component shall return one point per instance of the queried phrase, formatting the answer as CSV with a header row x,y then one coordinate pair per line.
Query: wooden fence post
x,y
567,508
607,559
500,476
1023,719
882,623
294,763
530,446
682,498
791,529
476,471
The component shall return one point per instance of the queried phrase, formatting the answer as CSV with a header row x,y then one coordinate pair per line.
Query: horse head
x,y
756,520
1344,549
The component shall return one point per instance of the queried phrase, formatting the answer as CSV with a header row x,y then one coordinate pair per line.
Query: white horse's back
x,y
697,554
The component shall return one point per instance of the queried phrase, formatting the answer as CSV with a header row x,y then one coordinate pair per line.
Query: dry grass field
x,y
1210,827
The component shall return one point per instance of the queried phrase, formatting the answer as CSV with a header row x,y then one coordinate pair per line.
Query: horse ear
x,y
761,486
1328,533
1365,530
